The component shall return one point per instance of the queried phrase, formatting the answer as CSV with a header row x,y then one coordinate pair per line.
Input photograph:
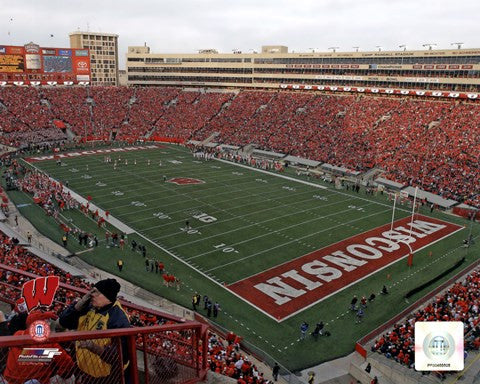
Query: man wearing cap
x,y
98,309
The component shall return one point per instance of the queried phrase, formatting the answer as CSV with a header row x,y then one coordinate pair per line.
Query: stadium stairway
x,y
247,150
69,132
357,370
371,174
210,138
150,132
389,369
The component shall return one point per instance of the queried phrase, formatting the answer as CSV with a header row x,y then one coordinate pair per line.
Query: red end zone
x,y
70,155
289,288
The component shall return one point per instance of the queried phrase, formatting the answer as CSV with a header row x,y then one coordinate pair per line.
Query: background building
x,y
103,55
442,70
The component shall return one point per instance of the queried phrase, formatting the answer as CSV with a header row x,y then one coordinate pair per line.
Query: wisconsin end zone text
x,y
289,288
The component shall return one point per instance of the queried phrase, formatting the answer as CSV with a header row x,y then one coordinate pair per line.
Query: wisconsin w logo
x,y
40,291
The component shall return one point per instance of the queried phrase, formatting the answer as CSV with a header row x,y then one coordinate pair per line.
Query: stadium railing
x,y
158,354
171,352
10,299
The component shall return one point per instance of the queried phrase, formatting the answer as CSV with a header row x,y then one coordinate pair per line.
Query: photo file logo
x,y
38,355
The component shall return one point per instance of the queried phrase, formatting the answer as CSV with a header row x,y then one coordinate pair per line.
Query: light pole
x,y
404,46
429,45
356,48
379,48
459,45
334,49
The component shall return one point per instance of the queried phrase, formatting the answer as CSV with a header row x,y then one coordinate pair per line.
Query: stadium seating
x,y
432,144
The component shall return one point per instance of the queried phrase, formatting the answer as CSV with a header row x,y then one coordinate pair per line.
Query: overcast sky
x,y
188,25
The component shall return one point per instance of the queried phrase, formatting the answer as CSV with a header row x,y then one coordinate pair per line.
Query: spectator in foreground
x,y
98,310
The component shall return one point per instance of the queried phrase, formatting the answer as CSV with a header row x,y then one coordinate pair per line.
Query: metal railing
x,y
169,353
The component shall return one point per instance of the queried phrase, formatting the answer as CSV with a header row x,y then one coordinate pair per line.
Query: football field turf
x,y
242,222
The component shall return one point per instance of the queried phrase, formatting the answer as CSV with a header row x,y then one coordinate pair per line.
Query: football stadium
x,y
300,217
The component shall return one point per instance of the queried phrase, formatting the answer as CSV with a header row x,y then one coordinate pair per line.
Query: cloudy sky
x,y
188,25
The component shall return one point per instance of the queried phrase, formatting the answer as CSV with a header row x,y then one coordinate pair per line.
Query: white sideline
x,y
272,174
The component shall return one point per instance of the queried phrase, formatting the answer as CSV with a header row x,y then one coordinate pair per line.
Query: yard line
x,y
279,230
173,195
253,223
236,207
178,173
273,174
195,199
160,183
292,241
246,190
180,210
309,183
175,192
96,174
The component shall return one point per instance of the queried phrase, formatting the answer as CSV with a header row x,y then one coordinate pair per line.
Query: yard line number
x,y
225,248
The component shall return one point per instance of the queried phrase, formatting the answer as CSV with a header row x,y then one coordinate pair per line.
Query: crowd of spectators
x,y
24,118
460,302
149,104
69,105
189,112
428,143
226,358
46,192
109,109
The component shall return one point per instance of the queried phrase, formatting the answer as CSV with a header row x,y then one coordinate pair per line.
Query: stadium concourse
x,y
418,142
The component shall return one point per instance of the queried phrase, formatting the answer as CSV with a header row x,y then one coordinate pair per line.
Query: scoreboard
x,y
32,64
12,63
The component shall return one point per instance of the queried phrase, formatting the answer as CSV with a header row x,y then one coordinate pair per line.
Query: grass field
x,y
242,222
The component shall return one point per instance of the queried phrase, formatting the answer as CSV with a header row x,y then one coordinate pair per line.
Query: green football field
x,y
242,222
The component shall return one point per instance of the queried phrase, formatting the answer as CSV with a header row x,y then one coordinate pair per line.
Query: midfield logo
x,y
185,181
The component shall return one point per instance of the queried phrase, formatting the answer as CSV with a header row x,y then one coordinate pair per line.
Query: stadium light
x,y
356,48
379,47
429,45
313,49
459,45
404,46
334,49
